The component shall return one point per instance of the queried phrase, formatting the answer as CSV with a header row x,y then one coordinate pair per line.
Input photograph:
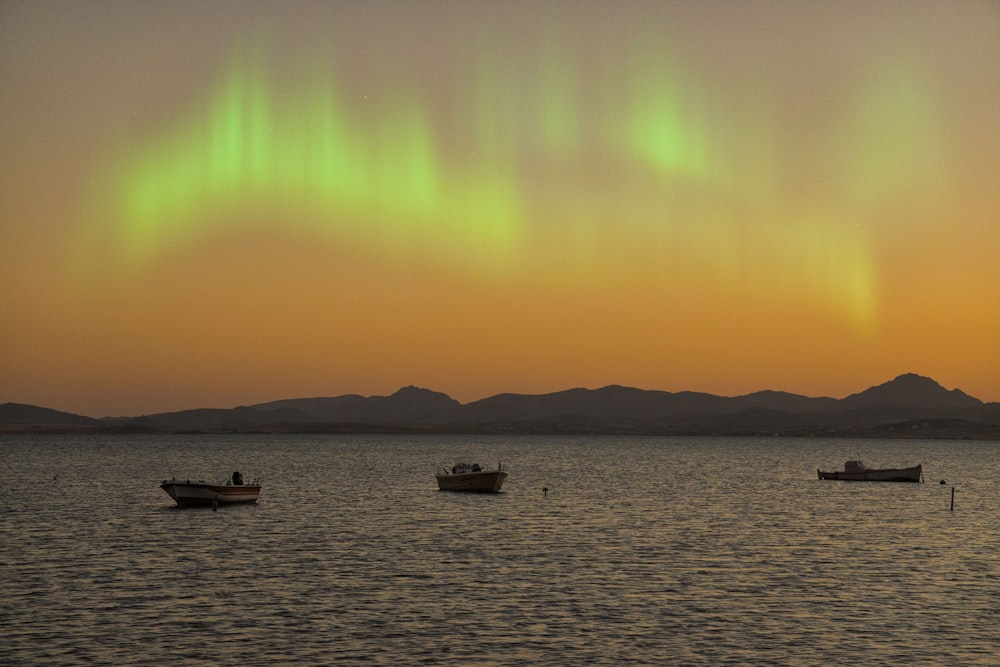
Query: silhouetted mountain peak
x,y
911,390
412,392
418,397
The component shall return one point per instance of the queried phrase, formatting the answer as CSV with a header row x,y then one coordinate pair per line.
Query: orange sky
x,y
225,204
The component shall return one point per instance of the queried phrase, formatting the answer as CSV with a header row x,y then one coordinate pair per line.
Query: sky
x,y
212,204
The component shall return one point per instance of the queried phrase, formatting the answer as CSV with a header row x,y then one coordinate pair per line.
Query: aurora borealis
x,y
228,203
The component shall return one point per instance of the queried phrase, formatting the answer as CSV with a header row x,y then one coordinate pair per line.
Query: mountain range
x,y
908,406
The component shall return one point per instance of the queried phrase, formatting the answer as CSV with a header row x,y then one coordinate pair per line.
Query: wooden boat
x,y
471,477
200,493
856,471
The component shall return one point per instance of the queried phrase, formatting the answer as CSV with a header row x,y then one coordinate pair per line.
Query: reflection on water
x,y
645,551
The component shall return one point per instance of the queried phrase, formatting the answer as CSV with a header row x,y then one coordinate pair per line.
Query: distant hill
x,y
907,406
409,404
18,416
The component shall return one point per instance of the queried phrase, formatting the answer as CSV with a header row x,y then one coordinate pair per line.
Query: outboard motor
x,y
237,479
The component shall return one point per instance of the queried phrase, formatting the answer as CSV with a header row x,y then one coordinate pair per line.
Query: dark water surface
x,y
647,551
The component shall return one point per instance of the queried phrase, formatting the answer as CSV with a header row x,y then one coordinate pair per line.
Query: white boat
x,y
471,477
856,471
189,493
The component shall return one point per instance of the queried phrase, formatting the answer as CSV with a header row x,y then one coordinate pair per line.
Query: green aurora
x,y
516,162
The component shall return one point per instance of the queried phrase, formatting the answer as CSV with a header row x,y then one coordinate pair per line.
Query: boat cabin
x,y
855,466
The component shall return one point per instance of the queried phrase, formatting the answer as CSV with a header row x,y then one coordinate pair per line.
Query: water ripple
x,y
646,551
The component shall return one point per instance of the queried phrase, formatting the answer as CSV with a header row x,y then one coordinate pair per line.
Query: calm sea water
x,y
646,551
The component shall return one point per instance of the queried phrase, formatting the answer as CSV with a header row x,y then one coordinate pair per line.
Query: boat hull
x,y
202,494
488,481
884,475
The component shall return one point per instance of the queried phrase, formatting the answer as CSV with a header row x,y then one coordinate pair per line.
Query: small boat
x,y
856,471
471,477
200,493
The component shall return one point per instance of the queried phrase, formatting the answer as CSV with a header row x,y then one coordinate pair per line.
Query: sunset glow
x,y
333,200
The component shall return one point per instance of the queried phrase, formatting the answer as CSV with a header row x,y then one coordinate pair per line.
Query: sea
x,y
601,550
